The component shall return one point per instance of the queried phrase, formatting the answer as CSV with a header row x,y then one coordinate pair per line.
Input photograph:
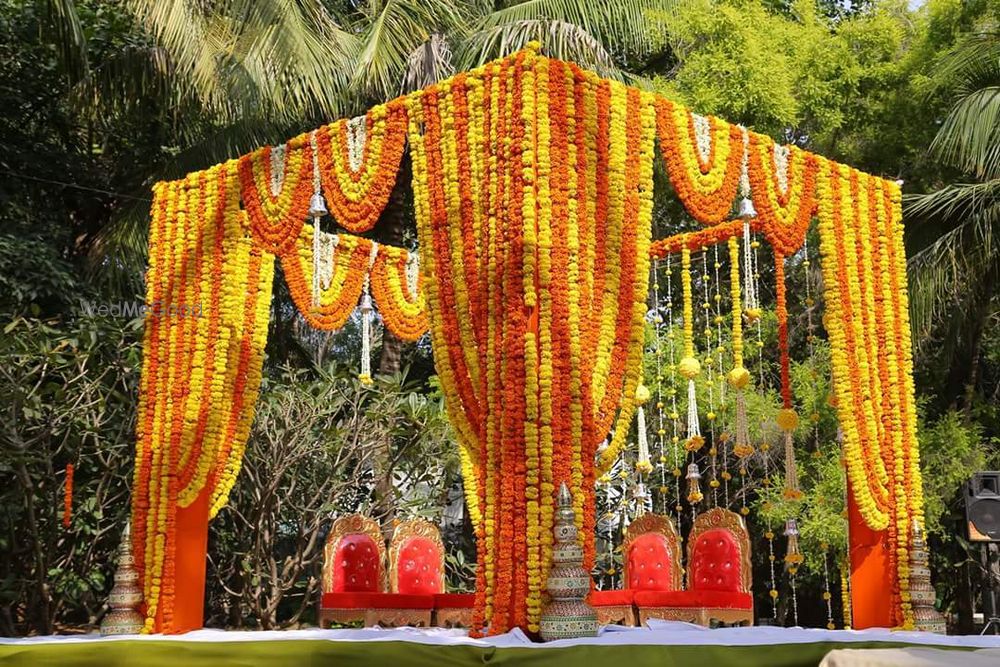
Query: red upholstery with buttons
x,y
367,600
701,599
611,598
356,565
454,600
715,562
418,569
649,564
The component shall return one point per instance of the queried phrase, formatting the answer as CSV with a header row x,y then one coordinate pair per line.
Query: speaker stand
x,y
992,569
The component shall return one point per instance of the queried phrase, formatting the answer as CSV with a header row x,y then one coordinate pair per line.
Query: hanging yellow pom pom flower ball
x,y
739,378
787,419
689,368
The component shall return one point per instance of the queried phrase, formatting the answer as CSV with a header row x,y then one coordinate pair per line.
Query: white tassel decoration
x,y
367,312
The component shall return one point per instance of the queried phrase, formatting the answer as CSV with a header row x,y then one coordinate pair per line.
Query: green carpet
x,y
310,652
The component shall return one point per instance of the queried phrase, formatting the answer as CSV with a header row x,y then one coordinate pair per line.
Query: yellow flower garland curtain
x,y
534,203
867,319
209,288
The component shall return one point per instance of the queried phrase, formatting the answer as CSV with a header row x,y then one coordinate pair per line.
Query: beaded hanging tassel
x,y
739,376
357,135
324,245
367,314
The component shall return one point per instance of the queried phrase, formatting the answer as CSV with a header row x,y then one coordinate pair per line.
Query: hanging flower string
x,y
367,313
689,366
67,514
738,376
706,306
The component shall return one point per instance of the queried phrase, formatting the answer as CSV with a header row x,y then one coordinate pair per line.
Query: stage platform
x,y
665,644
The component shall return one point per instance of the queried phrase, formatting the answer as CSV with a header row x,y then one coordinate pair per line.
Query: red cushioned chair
x,y
417,569
719,576
416,575
651,563
353,569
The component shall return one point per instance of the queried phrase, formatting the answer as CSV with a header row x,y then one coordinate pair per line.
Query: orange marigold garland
x,y
182,450
783,186
67,516
338,298
359,159
703,156
848,353
395,285
276,186
500,308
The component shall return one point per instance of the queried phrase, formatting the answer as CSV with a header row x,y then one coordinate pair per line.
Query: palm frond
x,y
70,39
286,58
627,26
124,80
971,58
944,272
566,41
392,31
969,138
954,204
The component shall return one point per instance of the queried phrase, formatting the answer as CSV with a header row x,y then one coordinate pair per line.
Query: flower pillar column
x,y
871,574
190,558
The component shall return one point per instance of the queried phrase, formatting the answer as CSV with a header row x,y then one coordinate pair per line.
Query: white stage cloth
x,y
658,633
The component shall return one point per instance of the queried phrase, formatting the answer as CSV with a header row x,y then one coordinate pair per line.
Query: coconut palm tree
x,y
954,278
232,75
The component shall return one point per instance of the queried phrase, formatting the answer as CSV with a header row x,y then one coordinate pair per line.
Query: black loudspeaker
x,y
982,507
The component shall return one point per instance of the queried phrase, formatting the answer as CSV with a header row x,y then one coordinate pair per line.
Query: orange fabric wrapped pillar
x,y
871,574
191,558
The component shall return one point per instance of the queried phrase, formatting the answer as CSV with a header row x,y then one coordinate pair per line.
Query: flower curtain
x,y
533,183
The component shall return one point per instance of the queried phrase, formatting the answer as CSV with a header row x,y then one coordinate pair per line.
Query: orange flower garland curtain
x,y
867,318
532,181
534,201
209,289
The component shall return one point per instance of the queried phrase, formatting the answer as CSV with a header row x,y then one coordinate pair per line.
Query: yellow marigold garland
x,y
400,303
866,470
705,185
865,293
199,285
276,217
357,196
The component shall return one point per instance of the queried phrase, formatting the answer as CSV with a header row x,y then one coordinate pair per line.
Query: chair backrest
x,y
719,552
354,556
416,559
652,554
